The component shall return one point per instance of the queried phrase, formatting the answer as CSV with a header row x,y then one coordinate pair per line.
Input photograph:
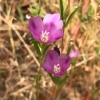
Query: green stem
x,y
39,9
37,89
38,77
56,92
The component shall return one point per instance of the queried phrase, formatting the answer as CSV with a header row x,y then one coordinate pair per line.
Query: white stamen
x,y
57,68
45,36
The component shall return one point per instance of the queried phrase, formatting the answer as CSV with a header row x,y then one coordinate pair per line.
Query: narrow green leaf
x,y
68,51
66,12
63,81
59,80
45,49
37,47
39,7
71,16
61,8
56,80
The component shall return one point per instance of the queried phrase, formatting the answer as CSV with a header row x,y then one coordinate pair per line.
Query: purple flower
x,y
47,31
55,64
74,54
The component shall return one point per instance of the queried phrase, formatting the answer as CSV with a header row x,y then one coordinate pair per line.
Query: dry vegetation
x,y
19,61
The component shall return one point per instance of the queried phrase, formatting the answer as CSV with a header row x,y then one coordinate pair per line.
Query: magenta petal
x,y
55,64
52,57
64,62
51,27
51,18
77,53
47,67
47,31
54,36
36,27
59,24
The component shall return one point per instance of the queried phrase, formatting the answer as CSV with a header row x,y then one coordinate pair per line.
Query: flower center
x,y
45,36
57,68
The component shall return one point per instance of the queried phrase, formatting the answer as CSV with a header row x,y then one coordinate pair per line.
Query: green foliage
x,y
37,47
61,8
21,17
68,51
44,51
89,15
66,11
71,16
60,81
35,11
38,78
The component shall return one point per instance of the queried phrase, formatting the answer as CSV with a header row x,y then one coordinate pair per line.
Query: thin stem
x,y
38,79
56,92
39,9
62,41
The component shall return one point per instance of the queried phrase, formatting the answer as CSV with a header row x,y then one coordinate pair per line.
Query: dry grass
x,y
19,61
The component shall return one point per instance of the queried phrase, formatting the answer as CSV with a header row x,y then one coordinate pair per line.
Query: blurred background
x,y
19,61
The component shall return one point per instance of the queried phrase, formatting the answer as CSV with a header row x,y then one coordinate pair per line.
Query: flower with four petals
x,y
47,30
56,64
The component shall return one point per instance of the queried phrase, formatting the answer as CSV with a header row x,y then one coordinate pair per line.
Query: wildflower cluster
x,y
47,31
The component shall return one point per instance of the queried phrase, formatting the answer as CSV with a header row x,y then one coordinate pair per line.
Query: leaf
x,y
37,47
90,11
68,51
33,10
45,49
63,81
66,12
60,81
61,9
56,80
41,14
38,7
71,16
